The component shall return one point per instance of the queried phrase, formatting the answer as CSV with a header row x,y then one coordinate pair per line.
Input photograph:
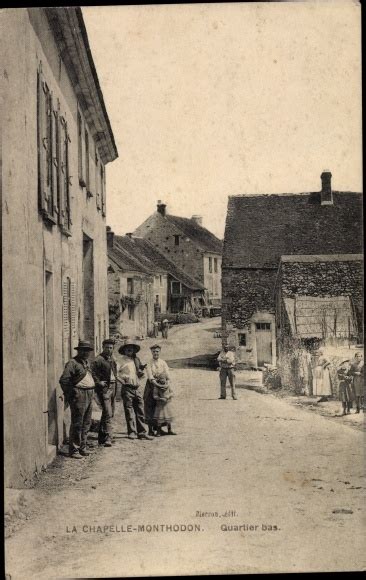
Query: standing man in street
x,y
78,384
226,361
165,328
105,372
133,402
356,372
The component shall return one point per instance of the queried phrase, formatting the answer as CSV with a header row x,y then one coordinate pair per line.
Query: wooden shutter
x,y
53,210
60,173
102,178
80,150
99,184
66,319
67,178
73,309
42,174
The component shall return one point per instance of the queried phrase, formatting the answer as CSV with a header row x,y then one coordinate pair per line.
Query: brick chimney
x,y
197,219
110,237
326,192
161,208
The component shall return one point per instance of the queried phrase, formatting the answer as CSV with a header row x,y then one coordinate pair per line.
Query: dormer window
x,y
176,240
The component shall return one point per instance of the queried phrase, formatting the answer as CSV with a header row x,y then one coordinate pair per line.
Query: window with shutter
x,y
64,178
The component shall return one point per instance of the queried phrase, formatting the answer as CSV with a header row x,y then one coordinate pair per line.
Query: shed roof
x,y
261,228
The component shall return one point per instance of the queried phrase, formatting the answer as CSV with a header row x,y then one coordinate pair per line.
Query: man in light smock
x,y
226,361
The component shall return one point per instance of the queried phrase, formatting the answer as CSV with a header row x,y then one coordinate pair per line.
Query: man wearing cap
x,y
105,371
78,384
133,402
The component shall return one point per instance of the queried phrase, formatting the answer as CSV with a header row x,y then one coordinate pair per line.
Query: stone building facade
x,y
144,284
186,243
259,230
57,141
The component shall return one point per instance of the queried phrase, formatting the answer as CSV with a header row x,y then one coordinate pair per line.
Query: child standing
x,y
345,387
163,412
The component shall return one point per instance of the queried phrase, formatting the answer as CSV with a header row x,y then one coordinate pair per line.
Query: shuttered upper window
x,y
53,159
64,177
46,128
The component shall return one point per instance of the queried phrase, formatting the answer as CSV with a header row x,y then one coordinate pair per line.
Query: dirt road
x,y
253,485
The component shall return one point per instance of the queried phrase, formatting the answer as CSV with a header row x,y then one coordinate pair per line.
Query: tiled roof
x,y
151,260
203,237
126,261
261,228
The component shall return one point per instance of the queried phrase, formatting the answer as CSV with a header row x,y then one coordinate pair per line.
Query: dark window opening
x,y
263,325
176,240
242,340
129,285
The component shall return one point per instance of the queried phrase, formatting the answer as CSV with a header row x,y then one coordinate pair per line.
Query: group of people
x,y
164,326
146,413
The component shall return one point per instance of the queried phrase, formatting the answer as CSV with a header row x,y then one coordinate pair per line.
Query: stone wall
x,y
246,291
186,255
330,278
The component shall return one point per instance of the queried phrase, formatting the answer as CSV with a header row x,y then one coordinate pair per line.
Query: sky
x,y
211,100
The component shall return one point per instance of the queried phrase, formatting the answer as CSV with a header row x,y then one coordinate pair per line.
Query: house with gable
x,y
58,142
144,285
287,258
189,245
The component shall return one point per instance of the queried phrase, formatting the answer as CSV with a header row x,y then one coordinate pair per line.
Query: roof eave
x,y
67,25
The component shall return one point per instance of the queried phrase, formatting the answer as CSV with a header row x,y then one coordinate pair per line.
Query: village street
x,y
295,477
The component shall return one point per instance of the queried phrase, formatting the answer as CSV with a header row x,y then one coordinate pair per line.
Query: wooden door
x,y
264,343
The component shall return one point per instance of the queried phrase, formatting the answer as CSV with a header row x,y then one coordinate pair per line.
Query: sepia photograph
x,y
182,250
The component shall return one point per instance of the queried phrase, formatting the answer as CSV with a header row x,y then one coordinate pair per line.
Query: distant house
x,y
58,141
186,243
314,234
143,284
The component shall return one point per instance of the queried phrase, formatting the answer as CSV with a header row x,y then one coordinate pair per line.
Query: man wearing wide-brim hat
x,y
133,403
105,371
78,384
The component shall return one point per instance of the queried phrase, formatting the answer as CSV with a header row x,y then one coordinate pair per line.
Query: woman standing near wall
x,y
322,386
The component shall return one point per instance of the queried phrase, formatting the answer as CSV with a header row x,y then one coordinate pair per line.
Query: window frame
x,y
242,336
130,286
82,182
172,287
